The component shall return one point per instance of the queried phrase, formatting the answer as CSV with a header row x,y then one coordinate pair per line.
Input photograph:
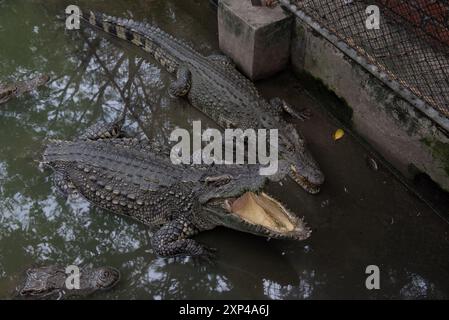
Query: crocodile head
x,y
103,278
259,214
50,281
6,92
303,168
9,91
40,282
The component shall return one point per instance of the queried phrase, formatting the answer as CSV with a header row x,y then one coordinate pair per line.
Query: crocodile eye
x,y
105,275
107,278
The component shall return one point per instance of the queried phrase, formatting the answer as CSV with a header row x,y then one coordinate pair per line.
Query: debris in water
x,y
338,134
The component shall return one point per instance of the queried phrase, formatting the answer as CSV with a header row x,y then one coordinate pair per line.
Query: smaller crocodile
x,y
13,90
49,282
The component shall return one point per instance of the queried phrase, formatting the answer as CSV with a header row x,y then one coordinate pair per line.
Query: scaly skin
x,y
215,87
50,282
125,176
10,91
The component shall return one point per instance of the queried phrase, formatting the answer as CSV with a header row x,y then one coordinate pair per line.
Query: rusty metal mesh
x,y
411,46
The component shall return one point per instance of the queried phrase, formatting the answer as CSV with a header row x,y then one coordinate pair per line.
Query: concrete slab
x,y
256,38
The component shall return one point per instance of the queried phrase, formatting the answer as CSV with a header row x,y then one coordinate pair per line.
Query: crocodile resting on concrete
x,y
49,282
10,91
214,86
126,176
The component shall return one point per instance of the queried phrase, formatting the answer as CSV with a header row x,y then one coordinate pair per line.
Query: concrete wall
x,y
400,132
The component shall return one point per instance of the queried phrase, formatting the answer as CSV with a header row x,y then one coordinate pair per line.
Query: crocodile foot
x,y
209,257
271,3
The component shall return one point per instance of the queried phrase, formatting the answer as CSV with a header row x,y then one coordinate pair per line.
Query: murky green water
x,y
362,217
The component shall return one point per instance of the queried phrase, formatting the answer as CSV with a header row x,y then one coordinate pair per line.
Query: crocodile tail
x,y
121,28
143,35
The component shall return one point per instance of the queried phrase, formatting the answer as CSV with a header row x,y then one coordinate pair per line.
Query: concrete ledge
x,y
404,135
256,38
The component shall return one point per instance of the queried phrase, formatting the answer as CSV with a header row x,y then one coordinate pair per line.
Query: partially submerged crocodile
x,y
126,176
214,86
10,91
49,282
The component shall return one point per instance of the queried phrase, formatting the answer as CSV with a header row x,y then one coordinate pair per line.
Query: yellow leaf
x,y
338,134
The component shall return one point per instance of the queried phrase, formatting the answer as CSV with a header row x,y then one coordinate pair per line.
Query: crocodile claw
x,y
208,257
303,114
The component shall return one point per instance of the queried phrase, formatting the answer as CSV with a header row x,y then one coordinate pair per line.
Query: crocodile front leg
x,y
181,86
281,105
172,239
222,59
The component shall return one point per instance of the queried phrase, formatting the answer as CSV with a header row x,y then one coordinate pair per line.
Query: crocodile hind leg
x,y
108,130
61,184
181,86
64,186
282,106
172,240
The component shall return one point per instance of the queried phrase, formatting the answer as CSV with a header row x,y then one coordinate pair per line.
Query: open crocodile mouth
x,y
303,181
270,216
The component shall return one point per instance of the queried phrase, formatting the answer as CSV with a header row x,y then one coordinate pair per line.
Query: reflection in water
x,y
413,286
417,288
92,78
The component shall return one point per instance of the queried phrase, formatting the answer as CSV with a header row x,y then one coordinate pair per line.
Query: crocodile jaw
x,y
303,181
260,214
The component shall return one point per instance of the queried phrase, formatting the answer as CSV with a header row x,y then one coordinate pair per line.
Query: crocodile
x,y
215,87
10,91
49,282
127,176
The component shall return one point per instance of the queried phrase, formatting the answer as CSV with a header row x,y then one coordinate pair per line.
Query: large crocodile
x,y
49,282
9,91
126,176
214,86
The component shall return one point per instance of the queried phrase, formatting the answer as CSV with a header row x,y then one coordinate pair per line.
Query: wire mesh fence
x,y
411,45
